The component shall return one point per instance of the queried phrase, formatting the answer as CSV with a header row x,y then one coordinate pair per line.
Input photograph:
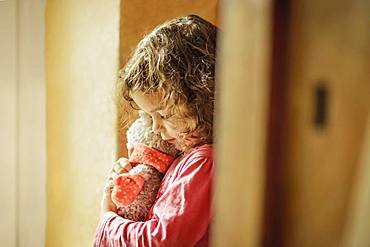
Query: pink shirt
x,y
181,214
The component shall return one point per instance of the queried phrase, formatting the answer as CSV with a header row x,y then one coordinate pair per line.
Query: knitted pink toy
x,y
135,192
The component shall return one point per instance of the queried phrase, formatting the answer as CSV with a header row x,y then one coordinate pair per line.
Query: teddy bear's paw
x,y
127,187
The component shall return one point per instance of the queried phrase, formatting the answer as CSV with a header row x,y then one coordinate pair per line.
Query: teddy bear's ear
x,y
142,113
145,119
145,116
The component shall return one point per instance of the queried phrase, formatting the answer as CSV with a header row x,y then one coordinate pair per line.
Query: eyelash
x,y
164,117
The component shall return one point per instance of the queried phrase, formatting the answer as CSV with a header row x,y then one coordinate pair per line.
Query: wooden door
x,y
322,68
291,120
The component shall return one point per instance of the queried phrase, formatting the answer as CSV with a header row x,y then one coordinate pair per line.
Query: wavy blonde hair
x,y
177,59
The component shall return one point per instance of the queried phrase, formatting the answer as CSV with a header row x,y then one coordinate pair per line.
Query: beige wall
x,y
82,60
22,123
141,16
8,123
31,123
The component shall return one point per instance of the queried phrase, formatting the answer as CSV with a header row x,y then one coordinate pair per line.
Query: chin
x,y
180,148
175,144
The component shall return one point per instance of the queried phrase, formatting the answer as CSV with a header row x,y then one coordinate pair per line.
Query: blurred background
x,y
292,117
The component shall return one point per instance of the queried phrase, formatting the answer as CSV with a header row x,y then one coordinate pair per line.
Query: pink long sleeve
x,y
181,214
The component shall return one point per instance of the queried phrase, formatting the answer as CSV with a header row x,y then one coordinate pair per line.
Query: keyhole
x,y
321,105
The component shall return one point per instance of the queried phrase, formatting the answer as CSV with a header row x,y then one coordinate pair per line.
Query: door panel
x,y
328,50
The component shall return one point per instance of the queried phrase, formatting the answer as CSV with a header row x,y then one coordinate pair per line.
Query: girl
x,y
171,76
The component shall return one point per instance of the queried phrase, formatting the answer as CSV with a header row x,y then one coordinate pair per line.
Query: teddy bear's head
x,y
141,132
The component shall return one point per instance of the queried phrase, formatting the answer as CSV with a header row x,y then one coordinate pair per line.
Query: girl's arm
x,y
180,216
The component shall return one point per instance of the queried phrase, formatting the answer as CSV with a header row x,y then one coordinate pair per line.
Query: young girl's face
x,y
169,126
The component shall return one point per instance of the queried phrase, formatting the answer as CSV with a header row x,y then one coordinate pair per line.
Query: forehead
x,y
148,102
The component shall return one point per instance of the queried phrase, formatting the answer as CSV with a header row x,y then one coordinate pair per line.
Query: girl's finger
x,y
123,161
125,169
112,167
125,165
108,187
122,165
116,168
112,176
119,164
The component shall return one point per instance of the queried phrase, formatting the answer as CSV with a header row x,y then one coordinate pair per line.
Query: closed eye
x,y
165,115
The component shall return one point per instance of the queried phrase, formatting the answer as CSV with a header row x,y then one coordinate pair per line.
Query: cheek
x,y
174,126
178,134
171,131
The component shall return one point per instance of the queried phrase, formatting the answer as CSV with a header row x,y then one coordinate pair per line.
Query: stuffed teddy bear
x,y
134,192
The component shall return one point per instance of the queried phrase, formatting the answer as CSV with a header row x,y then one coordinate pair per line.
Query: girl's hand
x,y
106,202
122,165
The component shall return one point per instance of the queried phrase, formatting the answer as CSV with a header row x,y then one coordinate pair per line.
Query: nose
x,y
157,126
